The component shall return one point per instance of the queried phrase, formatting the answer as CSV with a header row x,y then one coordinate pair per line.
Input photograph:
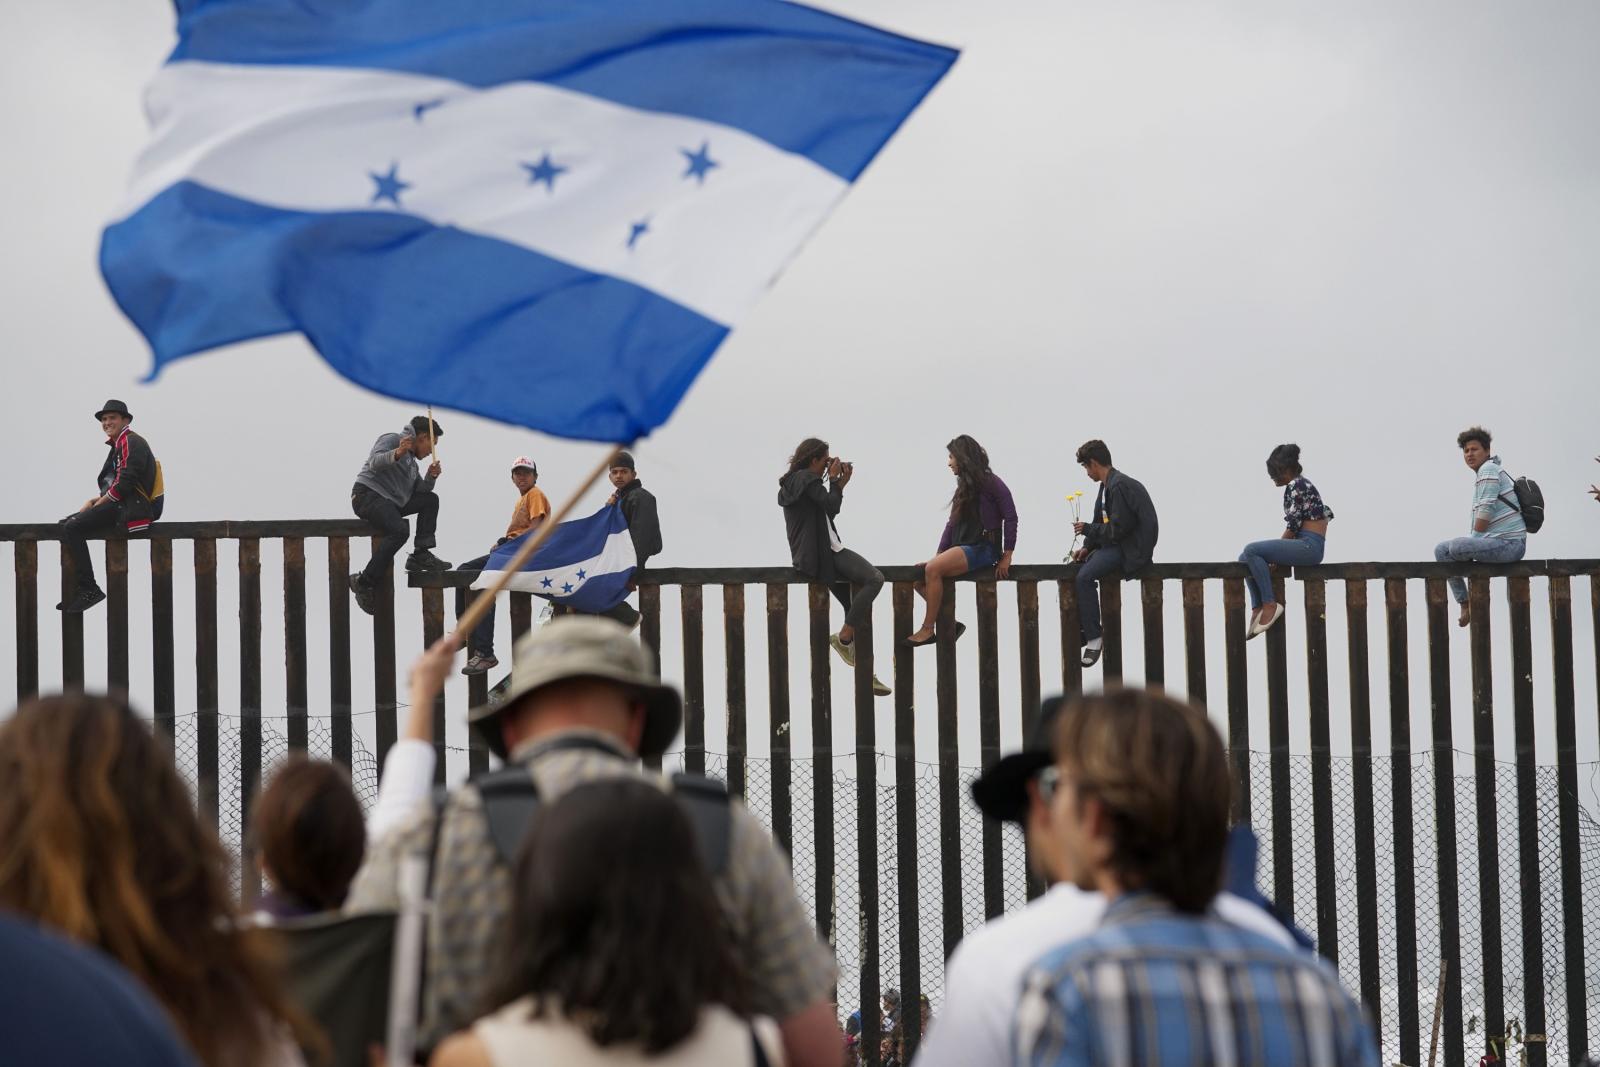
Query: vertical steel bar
x,y
117,614
296,691
650,637
477,694
905,777
950,798
249,701
163,650
1238,671
386,708
1488,813
778,716
822,755
1194,638
1568,812
432,630
339,699
1278,756
691,605
1111,622
867,829
25,564
1315,590
1400,794
1370,979
1155,646
994,890
733,655
1532,895
1444,818
71,629
1071,638
205,669
1028,653
519,608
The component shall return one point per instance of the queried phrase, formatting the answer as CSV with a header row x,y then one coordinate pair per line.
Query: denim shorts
x,y
983,554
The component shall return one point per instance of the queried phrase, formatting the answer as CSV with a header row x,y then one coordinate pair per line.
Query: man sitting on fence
x,y
131,498
1119,540
1499,534
586,703
984,976
533,507
1138,798
387,489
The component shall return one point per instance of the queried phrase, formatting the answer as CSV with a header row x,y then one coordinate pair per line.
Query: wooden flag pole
x,y
478,607
433,444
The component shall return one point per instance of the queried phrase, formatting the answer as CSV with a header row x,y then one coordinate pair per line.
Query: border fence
x,y
1409,847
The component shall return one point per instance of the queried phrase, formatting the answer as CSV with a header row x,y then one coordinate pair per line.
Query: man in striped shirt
x,y
1139,797
1498,533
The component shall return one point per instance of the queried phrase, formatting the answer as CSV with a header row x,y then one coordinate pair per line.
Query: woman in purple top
x,y
981,531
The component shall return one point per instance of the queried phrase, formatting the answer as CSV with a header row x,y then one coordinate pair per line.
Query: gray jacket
x,y
393,479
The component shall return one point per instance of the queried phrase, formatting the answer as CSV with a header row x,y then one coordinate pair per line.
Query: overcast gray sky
x,y
1192,230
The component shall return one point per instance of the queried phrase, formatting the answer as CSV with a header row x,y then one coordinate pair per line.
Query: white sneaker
x,y
846,652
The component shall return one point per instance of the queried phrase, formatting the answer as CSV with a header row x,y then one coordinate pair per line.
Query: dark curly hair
x,y
1473,433
805,454
1283,459
614,921
100,840
972,472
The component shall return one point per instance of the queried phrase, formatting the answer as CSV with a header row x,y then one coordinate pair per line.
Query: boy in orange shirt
x,y
532,508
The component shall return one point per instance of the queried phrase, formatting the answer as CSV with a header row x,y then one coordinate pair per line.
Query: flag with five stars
x,y
548,212
585,564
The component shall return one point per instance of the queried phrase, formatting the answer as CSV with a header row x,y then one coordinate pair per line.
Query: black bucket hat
x,y
114,407
1001,792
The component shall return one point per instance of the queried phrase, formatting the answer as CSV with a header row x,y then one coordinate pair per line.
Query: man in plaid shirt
x,y
1139,796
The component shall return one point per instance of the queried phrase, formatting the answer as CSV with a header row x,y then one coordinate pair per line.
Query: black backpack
x,y
1529,501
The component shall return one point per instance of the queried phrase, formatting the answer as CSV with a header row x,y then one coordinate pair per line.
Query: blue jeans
x,y
1101,562
1477,550
982,554
1304,550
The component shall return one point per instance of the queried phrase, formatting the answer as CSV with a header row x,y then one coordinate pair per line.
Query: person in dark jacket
x,y
981,531
638,506
131,498
1121,538
387,489
809,508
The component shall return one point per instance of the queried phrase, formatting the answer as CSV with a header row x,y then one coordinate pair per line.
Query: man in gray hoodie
x,y
387,489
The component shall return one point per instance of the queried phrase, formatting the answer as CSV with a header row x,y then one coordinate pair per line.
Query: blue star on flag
x,y
423,107
700,163
566,587
545,583
638,230
544,171
389,186
583,574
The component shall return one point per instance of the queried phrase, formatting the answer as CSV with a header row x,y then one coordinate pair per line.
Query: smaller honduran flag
x,y
586,563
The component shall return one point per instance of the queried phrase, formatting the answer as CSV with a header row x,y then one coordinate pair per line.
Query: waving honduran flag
x,y
585,563
548,212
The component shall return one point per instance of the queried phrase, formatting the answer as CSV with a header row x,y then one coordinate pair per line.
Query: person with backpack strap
x,y
595,973
1504,511
586,704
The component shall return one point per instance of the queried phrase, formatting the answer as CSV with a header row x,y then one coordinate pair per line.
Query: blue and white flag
x,y
548,212
586,563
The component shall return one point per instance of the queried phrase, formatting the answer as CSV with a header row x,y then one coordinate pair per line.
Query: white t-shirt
x,y
512,1039
983,980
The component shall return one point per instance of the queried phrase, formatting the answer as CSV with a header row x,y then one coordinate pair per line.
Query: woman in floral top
x,y
1306,520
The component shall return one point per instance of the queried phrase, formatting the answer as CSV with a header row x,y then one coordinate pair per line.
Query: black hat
x,y
1001,792
624,459
113,407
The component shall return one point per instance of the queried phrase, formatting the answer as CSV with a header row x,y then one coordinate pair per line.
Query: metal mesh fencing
x,y
923,897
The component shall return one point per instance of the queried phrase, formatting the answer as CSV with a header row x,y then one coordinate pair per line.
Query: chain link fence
x,y
931,900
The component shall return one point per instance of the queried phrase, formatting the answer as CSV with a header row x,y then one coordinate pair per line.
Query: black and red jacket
x,y
129,476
